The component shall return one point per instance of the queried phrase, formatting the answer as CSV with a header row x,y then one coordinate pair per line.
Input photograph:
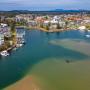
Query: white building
x,y
82,28
1,39
3,25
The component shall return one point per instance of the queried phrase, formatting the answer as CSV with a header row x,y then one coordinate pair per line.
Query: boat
x,y
88,36
14,48
22,41
19,45
4,53
88,30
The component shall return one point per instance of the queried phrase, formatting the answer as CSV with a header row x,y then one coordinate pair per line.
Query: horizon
x,y
52,10
45,5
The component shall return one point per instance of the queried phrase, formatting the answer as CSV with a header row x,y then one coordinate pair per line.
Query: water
x,y
36,50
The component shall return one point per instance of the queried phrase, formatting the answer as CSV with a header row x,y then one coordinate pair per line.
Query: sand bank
x,y
74,44
54,74
27,83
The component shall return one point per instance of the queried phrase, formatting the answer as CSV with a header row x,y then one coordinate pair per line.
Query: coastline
x,y
26,83
44,30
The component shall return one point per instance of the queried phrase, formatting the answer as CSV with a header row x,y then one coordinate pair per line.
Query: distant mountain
x,y
51,12
79,10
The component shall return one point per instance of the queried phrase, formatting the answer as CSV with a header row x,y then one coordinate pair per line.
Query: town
x,y
11,39
55,23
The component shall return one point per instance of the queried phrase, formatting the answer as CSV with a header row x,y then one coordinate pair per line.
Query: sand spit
x,y
74,44
27,83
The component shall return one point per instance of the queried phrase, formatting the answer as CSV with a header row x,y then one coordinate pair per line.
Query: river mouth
x,y
58,75
44,57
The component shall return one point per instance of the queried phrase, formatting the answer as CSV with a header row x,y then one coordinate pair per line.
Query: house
x,y
3,25
82,28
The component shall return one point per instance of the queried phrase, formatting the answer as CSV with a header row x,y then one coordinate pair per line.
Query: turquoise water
x,y
37,48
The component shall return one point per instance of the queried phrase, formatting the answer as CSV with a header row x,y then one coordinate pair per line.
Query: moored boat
x,y
19,45
88,30
4,53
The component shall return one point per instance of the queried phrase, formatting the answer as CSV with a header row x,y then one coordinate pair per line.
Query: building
x,y
1,39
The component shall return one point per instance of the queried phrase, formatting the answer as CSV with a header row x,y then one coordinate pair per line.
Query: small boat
x,y
88,36
22,41
4,53
14,48
19,45
88,30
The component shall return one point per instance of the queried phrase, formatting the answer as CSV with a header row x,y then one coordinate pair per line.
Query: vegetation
x,y
58,26
13,32
88,27
41,25
21,23
47,27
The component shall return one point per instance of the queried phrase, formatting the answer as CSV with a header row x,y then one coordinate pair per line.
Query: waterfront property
x,y
10,39
52,23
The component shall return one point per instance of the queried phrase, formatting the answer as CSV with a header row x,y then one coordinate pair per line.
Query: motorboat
x,y
14,48
88,36
4,53
19,45
23,41
88,30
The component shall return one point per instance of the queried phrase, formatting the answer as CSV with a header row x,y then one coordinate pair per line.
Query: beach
x,y
27,83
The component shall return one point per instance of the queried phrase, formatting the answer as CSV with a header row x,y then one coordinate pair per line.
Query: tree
x,y
66,24
88,26
58,26
47,27
13,32
41,25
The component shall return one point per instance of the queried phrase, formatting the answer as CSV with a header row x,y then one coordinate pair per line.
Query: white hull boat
x,y
88,30
19,45
4,53
88,36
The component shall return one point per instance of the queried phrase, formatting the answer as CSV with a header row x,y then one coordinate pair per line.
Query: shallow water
x,y
78,45
56,74
47,62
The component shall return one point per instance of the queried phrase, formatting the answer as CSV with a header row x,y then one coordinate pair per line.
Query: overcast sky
x,y
43,4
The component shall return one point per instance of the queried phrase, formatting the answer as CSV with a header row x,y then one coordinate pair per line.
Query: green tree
x,y
41,25
47,27
13,32
58,26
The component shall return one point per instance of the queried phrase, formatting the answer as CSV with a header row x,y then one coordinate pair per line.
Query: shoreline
x,y
26,83
44,30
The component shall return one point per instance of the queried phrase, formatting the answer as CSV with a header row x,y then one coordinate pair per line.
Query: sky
x,y
44,4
